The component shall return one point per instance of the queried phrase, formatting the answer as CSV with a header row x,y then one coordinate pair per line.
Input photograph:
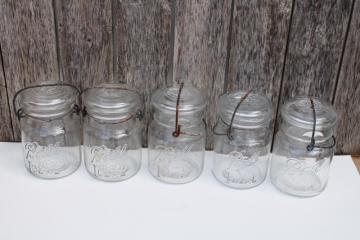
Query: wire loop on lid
x,y
312,144
229,130
178,131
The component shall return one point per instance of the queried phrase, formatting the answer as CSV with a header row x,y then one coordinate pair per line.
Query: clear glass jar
x,y
298,167
49,119
241,154
177,156
112,132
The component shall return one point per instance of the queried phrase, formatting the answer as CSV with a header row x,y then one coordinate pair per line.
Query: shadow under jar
x,y
176,148
112,132
303,147
242,152
49,119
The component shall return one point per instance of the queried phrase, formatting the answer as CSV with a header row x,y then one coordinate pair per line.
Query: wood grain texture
x,y
130,41
200,50
6,133
28,45
85,41
347,96
258,46
316,38
142,31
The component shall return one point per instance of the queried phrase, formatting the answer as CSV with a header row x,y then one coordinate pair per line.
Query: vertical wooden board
x,y
200,49
28,45
347,96
258,46
85,41
6,133
142,33
316,38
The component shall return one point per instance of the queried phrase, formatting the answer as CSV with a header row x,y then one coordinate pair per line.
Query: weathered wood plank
x,y
347,96
28,45
6,133
85,41
316,38
201,33
142,31
258,46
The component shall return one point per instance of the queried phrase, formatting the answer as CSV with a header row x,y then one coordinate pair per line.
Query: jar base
x,y
112,179
176,172
238,187
55,176
113,171
174,182
294,192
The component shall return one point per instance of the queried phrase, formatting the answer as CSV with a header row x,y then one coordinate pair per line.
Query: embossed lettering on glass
x,y
50,129
303,147
242,139
177,134
112,132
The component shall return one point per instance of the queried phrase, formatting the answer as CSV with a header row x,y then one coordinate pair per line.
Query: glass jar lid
x,y
48,101
111,103
191,100
298,112
254,112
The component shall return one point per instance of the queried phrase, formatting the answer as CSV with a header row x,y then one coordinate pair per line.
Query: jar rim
x,y
191,100
298,112
111,102
48,102
254,112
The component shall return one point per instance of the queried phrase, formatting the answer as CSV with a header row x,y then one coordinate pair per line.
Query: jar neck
x,y
185,120
111,124
51,114
241,136
106,130
304,135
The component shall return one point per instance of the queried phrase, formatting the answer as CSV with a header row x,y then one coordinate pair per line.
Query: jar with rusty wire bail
x,y
304,147
242,139
177,134
50,129
112,132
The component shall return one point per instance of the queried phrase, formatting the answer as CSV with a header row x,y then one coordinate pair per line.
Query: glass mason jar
x,y
303,147
177,134
242,145
49,120
112,132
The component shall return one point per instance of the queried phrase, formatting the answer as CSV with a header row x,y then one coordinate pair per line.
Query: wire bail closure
x,y
138,114
177,131
229,130
312,144
20,112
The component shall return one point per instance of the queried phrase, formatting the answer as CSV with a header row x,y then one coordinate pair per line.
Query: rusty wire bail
x,y
20,112
311,146
229,130
138,114
177,132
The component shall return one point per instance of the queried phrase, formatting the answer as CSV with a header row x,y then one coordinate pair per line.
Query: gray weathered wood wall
x,y
282,48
